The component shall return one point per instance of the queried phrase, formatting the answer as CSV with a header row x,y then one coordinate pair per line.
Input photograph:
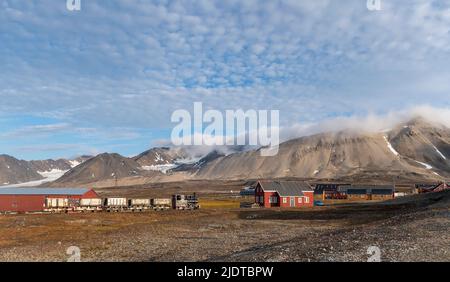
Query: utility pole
x,y
115,179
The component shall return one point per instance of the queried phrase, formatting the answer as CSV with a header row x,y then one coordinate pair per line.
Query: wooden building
x,y
34,199
285,194
369,192
330,191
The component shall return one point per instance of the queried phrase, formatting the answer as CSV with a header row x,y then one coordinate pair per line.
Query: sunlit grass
x,y
219,204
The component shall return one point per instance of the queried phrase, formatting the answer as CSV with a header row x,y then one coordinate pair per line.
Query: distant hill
x,y
101,167
416,149
13,171
160,156
47,165
194,167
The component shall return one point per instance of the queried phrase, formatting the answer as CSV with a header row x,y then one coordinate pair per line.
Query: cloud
x,y
49,148
370,123
129,64
41,129
359,124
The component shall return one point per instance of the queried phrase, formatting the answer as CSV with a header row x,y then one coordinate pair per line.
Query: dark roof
x,y
286,188
369,189
43,191
248,191
357,191
372,187
329,187
382,191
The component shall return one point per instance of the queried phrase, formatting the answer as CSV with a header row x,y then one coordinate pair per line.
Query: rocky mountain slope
x,y
420,143
160,156
59,164
195,166
415,149
13,170
102,167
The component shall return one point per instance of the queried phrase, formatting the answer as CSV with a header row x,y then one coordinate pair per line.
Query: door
x,y
292,201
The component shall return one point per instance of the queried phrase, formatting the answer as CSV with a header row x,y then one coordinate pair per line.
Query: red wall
x,y
32,203
308,194
21,203
259,192
267,195
90,194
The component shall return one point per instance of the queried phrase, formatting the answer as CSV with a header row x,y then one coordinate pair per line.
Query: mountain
x,y
195,166
156,164
416,150
419,142
48,165
13,171
102,167
160,156
59,164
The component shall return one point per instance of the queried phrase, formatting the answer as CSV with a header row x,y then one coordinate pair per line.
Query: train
x,y
121,204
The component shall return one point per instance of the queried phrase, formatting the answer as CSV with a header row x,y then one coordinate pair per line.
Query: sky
x,y
108,77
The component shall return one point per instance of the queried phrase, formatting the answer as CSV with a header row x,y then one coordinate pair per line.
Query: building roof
x,y
43,191
372,187
368,189
329,187
382,191
357,191
286,188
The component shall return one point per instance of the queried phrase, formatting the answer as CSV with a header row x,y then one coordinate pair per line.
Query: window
x,y
284,200
273,200
300,200
261,199
307,200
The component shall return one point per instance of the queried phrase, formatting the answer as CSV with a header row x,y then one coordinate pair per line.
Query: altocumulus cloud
x,y
129,64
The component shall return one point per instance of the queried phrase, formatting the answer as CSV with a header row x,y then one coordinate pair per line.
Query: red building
x,y
33,199
284,194
441,187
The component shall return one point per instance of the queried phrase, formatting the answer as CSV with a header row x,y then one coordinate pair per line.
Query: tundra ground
x,y
410,229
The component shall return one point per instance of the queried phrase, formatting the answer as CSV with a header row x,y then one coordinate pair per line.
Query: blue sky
x,y
108,77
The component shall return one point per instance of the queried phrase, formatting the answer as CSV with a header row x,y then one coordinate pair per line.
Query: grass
x,y
219,204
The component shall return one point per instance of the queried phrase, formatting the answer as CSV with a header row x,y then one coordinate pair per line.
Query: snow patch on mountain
x,y
74,163
390,146
162,168
158,158
49,176
427,166
439,152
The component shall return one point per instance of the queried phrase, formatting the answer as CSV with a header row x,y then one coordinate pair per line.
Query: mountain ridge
x,y
14,171
415,149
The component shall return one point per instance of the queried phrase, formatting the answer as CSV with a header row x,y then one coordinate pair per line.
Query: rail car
x,y
119,204
185,202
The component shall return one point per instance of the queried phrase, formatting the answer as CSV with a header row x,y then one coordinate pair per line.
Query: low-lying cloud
x,y
370,123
